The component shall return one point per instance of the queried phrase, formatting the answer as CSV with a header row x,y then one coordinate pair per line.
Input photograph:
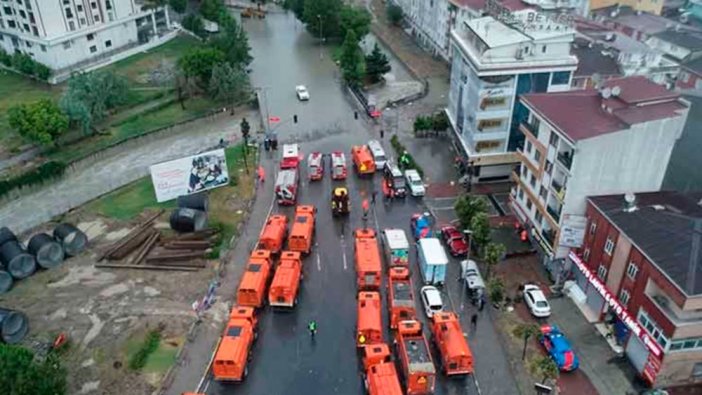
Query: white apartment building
x,y
493,62
65,34
429,21
587,143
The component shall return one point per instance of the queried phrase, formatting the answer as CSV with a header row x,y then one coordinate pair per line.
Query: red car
x,y
454,240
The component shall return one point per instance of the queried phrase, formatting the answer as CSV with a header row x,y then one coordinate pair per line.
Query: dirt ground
x,y
106,313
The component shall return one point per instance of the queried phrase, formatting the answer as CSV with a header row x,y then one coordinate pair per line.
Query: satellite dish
x,y
630,198
606,93
616,91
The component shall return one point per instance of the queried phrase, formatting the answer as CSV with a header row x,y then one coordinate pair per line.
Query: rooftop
x,y
591,60
639,101
694,65
495,33
667,228
691,40
620,41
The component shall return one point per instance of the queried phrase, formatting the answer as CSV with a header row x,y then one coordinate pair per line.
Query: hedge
x,y
25,64
44,172
400,149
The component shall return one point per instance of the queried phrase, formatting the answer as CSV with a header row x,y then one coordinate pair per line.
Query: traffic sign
x,y
274,119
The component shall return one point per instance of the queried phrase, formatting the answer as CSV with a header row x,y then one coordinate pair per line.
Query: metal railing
x,y
555,214
566,158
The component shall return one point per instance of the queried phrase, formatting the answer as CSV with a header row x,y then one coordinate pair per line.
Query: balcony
x,y
555,214
531,128
566,158
549,236
559,189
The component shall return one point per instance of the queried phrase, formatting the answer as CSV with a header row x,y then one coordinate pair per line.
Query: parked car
x,y
414,181
454,240
431,300
536,301
302,93
558,348
421,226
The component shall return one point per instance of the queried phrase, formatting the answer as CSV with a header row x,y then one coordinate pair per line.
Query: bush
x,y
394,13
150,344
178,6
400,149
22,373
25,65
5,58
194,24
41,174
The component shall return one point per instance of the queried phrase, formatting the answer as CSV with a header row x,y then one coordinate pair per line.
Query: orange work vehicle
x,y
400,296
252,287
286,282
369,328
415,358
456,357
368,264
362,160
273,235
379,374
302,230
235,347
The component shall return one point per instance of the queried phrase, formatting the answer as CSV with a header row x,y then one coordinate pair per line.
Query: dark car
x,y
454,241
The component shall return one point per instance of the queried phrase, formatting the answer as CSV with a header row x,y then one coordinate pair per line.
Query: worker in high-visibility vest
x,y
362,339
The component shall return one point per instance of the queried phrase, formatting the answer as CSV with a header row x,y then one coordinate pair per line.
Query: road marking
x,y
209,365
319,263
344,259
207,385
443,208
475,380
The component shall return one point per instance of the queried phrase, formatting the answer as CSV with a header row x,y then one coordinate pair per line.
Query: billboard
x,y
573,231
189,175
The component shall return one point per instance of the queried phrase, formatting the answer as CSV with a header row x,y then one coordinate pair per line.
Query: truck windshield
x,y
398,182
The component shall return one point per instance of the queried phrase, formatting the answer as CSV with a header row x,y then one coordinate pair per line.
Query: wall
x,y
677,368
652,6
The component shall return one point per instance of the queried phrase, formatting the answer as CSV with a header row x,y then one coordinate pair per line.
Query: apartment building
x,y
429,22
64,34
494,62
586,143
638,274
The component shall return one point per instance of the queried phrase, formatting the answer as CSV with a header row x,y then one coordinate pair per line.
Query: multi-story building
x,y
679,44
652,6
635,24
64,34
589,142
429,21
639,275
493,63
595,64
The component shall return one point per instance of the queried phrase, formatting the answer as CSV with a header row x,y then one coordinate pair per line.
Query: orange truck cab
x,y
380,376
369,328
415,358
232,355
302,230
362,159
456,357
400,296
368,264
286,282
252,287
273,235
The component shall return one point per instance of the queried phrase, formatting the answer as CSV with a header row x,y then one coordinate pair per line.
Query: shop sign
x,y
573,231
614,305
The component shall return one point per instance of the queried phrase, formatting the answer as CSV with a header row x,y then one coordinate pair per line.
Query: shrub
x,y
194,24
5,58
25,64
400,149
150,344
394,13
41,174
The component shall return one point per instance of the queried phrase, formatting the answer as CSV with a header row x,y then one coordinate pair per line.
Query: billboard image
x,y
189,175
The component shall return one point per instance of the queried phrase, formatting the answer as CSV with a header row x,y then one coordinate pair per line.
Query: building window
x,y
97,18
108,43
586,255
543,49
593,227
528,147
79,8
71,25
549,167
538,218
11,24
28,44
609,246
652,328
624,297
520,193
529,205
2,38
697,371
543,192
601,272
66,45
93,49
688,344
532,181
22,14
82,21
26,28
43,48
35,31
537,155
560,78
8,10
108,5
90,37
69,13
93,5
632,270
524,171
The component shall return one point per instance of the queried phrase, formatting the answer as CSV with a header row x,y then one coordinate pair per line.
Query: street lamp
x,y
468,234
321,37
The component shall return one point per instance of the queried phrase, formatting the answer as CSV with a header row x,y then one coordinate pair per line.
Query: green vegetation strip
x,y
150,344
400,150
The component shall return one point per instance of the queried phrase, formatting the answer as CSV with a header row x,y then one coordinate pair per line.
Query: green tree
x,y
525,331
90,96
377,64
178,6
229,84
496,289
493,254
198,63
544,367
394,14
440,122
5,58
467,206
322,17
40,122
233,42
211,9
195,24
351,60
22,374
356,19
296,6
480,226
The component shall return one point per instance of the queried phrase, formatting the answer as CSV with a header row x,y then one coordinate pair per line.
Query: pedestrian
x,y
312,327
373,195
481,302
474,320
382,133
261,174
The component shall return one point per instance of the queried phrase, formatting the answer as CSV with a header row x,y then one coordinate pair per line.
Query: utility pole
x,y
469,234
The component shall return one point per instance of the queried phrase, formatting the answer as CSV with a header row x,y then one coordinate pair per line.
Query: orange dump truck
x,y
456,357
369,328
400,296
274,232
368,264
286,282
252,287
302,230
362,160
379,374
235,347
415,358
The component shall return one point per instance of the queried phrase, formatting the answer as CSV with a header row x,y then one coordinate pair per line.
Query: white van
x,y
378,154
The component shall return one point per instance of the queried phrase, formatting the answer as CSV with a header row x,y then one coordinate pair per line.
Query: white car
x,y
414,181
302,93
431,299
536,301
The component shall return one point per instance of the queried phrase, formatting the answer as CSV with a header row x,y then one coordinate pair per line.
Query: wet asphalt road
x,y
285,360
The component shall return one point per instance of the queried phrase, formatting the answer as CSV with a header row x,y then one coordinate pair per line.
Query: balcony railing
x,y
566,158
559,189
555,214
549,236
533,129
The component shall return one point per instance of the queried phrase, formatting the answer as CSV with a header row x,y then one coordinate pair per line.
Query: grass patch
x,y
151,342
163,357
129,201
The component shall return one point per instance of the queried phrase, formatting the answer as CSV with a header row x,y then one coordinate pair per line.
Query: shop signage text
x,y
615,306
528,20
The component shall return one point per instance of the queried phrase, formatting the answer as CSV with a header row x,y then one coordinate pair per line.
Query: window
x,y
96,18
66,45
560,78
82,21
532,181
609,246
529,205
22,14
93,5
520,194
602,272
593,227
79,8
528,146
524,171
696,371
537,155
543,49
69,13
624,297
93,49
549,167
2,38
71,25
538,217
652,328
8,10
26,27
43,48
632,270
108,43
687,344
108,5
35,31
28,44
586,255
90,37
543,192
